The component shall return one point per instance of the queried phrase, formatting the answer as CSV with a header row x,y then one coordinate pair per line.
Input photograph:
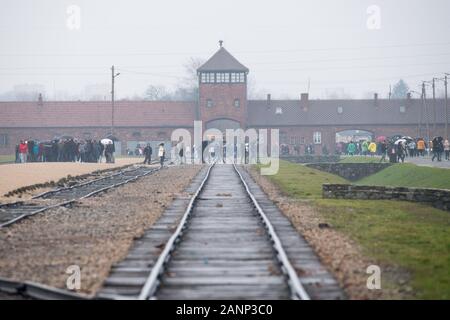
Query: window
x,y
340,110
209,103
3,140
279,110
207,77
222,77
402,109
237,103
317,137
136,134
237,77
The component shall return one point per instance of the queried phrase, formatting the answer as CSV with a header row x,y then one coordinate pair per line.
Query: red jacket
x,y
23,148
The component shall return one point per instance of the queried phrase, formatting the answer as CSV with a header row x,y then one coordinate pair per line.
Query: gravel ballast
x,y
93,235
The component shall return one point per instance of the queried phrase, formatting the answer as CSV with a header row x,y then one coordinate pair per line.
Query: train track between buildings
x,y
11,213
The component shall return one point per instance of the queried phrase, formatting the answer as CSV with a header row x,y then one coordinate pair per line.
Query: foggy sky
x,y
283,43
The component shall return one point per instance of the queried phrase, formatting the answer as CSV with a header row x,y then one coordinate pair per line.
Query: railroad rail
x,y
223,247
16,211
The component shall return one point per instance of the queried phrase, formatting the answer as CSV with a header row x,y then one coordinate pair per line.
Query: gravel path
x,y
93,235
342,256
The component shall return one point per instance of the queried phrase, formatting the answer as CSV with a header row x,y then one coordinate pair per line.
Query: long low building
x,y
222,103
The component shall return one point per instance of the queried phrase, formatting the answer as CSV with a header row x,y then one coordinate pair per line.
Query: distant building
x,y
222,104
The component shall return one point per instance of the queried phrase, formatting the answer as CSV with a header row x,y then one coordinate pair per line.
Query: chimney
x,y
375,99
268,101
304,101
40,100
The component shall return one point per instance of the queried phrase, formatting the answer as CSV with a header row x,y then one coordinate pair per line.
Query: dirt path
x,y
14,176
93,235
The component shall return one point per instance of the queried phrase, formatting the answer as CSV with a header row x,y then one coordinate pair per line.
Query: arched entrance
x,y
220,126
223,124
344,137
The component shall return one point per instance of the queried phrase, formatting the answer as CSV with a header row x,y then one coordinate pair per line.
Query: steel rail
x,y
122,170
152,282
297,290
68,202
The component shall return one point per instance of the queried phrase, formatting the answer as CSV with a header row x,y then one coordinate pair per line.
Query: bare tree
x,y
154,93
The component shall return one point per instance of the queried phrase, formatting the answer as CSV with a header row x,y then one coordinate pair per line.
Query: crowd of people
x,y
64,150
398,148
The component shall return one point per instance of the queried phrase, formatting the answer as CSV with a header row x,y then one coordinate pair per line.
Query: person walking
x,y
411,148
148,154
421,147
401,152
447,149
383,150
351,149
372,148
365,148
23,150
161,154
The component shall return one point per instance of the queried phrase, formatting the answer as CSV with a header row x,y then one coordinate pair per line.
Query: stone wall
x,y
312,158
350,171
438,198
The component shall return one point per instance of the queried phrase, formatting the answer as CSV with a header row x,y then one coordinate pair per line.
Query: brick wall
x,y
222,97
438,198
350,171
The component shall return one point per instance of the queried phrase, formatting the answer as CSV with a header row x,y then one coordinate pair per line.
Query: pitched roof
x,y
97,114
354,112
222,60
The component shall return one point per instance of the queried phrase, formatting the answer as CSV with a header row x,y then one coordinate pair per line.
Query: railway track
x,y
224,247
13,212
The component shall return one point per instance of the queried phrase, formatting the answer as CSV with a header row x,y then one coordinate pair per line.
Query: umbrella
x,y
407,138
400,140
380,138
106,141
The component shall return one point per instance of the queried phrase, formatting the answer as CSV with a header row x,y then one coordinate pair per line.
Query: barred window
x,y
237,103
209,103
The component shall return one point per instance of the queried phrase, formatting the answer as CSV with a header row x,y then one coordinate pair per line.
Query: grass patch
x,y
409,175
302,182
412,236
7,158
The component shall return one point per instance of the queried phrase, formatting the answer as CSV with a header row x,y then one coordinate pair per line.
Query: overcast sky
x,y
283,43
